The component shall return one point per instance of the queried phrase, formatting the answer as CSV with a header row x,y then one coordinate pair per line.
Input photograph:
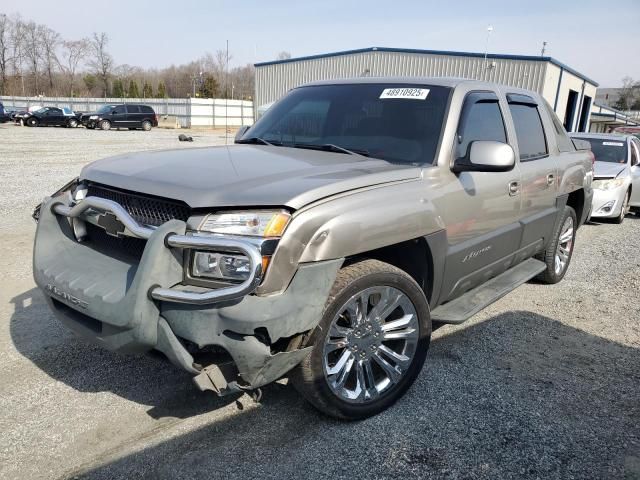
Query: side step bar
x,y
464,307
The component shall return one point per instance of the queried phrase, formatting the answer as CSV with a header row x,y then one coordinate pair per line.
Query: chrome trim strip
x,y
250,248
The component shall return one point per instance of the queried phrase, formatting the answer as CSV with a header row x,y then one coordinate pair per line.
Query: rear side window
x,y
481,120
146,109
133,109
564,142
532,143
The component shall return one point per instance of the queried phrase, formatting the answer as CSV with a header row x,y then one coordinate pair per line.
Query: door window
x,y
118,110
481,120
133,109
532,143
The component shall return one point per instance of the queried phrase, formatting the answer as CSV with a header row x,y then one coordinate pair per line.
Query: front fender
x,y
350,224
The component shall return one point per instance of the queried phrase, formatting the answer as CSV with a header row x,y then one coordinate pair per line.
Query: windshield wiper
x,y
256,140
330,147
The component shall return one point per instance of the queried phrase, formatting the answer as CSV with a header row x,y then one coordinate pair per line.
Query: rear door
x,y
53,116
480,210
538,154
635,173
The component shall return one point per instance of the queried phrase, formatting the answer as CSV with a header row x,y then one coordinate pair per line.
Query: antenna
x,y
226,99
486,49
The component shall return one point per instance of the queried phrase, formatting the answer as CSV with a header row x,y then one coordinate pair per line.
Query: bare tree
x,y
73,53
5,32
284,55
50,40
17,45
102,61
33,51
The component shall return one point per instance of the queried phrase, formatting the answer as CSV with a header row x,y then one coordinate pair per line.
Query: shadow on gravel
x,y
516,396
144,379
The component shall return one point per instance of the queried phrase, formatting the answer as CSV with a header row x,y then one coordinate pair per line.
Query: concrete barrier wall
x,y
188,112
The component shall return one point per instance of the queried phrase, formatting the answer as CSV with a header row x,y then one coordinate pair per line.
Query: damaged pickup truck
x,y
323,244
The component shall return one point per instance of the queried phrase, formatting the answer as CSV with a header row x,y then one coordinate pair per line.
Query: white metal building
x,y
569,92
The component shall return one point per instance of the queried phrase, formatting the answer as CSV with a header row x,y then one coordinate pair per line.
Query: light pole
x,y
486,51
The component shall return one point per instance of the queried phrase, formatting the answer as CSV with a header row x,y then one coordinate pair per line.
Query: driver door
x,y
481,209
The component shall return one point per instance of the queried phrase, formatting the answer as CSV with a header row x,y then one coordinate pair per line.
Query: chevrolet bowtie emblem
x,y
111,224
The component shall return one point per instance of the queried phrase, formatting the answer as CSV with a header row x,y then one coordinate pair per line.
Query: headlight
x,y
265,223
608,184
221,266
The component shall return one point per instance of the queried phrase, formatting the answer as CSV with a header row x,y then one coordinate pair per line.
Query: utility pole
x,y
486,51
544,49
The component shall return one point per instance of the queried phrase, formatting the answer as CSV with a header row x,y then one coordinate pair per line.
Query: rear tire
x,y
105,125
557,255
344,377
146,125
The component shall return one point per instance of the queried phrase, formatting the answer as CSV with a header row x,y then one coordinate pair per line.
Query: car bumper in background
x,y
608,203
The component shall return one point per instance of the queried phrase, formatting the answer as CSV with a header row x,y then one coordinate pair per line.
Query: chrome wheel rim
x,y
370,344
565,245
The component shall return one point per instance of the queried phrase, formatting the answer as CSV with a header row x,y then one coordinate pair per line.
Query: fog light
x,y
607,207
221,266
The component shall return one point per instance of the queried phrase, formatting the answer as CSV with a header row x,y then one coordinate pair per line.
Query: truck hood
x,y
244,175
608,169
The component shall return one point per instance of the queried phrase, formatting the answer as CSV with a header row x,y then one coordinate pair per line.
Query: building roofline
x,y
497,56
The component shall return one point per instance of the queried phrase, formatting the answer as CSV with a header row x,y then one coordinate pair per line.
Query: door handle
x,y
514,188
551,178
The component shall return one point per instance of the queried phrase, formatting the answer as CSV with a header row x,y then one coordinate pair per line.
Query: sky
x,y
600,39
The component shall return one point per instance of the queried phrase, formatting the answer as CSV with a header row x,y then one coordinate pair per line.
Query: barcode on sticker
x,y
613,144
407,93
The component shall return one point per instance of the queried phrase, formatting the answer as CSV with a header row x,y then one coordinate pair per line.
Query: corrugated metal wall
x,y
272,81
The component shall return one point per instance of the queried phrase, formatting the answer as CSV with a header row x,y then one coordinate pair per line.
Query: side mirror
x,y
241,131
486,156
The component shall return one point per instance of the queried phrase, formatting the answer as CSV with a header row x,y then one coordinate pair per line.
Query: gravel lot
x,y
543,384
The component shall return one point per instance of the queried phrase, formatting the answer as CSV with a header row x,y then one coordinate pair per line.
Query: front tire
x,y
370,344
557,255
73,123
624,209
32,122
105,125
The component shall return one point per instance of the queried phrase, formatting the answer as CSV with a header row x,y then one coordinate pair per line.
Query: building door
x,y
584,114
570,111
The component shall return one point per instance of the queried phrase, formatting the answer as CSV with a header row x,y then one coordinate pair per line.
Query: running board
x,y
464,307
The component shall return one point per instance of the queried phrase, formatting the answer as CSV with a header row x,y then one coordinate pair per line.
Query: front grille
x,y
152,211
128,248
146,210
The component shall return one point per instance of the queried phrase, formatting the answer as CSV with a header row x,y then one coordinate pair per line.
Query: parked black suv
x,y
129,116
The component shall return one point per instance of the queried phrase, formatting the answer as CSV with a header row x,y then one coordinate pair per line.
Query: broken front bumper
x,y
133,306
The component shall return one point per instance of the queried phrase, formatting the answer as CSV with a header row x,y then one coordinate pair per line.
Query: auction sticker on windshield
x,y
407,93
613,144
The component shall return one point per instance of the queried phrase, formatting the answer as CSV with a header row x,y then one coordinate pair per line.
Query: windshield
x,y
610,150
399,123
41,110
105,109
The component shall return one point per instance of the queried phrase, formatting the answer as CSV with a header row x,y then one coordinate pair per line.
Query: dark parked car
x,y
4,116
51,117
131,116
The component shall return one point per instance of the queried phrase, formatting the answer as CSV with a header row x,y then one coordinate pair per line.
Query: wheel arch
x,y
576,200
422,258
